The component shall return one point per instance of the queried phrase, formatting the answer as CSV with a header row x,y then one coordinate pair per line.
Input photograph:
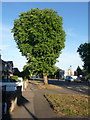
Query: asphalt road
x,y
78,87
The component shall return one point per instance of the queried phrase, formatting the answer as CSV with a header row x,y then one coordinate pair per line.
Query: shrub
x,y
87,76
14,77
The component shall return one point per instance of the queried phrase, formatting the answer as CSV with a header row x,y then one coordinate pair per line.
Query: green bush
x,y
24,79
87,76
14,77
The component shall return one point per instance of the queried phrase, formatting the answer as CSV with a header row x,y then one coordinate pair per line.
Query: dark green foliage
x,y
25,74
56,73
79,71
87,76
16,72
14,77
40,37
84,52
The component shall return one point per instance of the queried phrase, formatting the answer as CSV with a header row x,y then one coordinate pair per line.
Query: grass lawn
x,y
37,82
53,79
48,79
49,87
41,85
69,104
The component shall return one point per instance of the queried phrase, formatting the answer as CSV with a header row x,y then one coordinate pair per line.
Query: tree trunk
x,y
45,78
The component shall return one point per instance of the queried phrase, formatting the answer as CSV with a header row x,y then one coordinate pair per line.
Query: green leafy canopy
x,y
40,37
84,52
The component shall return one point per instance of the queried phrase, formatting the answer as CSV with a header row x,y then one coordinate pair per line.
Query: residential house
x,y
6,69
0,68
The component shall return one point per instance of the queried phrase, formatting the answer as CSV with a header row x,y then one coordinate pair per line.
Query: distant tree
x,y
16,71
84,52
55,73
40,37
26,72
79,71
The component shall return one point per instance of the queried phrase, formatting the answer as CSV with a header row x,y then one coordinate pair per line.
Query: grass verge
x,y
41,85
37,82
49,87
68,104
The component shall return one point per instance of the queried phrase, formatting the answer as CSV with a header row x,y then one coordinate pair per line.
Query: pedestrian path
x,y
42,107
34,106
25,108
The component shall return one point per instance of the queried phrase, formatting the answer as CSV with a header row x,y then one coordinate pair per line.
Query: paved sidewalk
x,y
42,107
34,106
25,108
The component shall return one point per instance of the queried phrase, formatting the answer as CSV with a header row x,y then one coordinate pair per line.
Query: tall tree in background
x,y
40,37
16,71
26,72
84,52
79,71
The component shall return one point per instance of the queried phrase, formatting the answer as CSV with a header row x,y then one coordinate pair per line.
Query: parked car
x,y
89,80
69,79
77,79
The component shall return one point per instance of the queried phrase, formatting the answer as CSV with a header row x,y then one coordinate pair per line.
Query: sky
x,y
44,0
75,24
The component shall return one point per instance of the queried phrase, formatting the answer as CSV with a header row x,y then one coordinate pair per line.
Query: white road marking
x,y
85,88
69,87
81,90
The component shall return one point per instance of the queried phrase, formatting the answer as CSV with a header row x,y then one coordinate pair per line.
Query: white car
x,y
77,80
69,78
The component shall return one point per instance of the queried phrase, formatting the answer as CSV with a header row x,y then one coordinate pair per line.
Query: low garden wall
x,y
12,99
15,97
